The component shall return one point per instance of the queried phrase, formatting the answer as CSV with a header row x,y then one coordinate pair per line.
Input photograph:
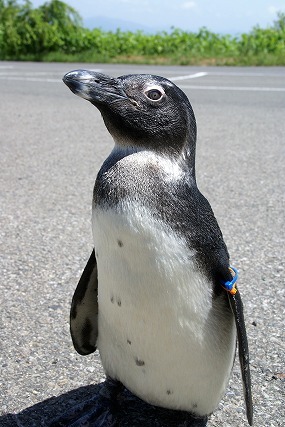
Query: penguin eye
x,y
154,94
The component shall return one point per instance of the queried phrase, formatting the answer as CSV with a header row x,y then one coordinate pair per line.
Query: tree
x,y
279,24
24,30
60,13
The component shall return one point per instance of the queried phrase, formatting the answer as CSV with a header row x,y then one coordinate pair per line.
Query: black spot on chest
x,y
139,362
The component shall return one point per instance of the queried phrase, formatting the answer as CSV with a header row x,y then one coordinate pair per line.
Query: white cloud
x,y
273,10
135,2
188,5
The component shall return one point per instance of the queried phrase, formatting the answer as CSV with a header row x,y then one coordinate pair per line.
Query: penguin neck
x,y
120,151
185,159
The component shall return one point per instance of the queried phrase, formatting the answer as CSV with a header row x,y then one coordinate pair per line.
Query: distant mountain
x,y
112,24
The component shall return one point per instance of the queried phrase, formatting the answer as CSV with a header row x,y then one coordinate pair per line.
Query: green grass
x,y
94,57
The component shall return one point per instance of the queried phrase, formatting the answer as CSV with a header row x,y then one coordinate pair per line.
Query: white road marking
x,y
4,76
36,73
245,74
25,74
30,79
235,88
32,76
189,76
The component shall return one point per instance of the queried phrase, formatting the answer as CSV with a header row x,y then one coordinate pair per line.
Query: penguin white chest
x,y
161,333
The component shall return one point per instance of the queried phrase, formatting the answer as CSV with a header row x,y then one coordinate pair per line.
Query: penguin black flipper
x,y
237,308
84,309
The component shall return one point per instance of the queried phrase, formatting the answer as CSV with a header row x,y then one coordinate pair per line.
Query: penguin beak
x,y
94,87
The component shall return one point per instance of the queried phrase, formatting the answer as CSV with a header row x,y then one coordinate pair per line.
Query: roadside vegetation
x,y
55,32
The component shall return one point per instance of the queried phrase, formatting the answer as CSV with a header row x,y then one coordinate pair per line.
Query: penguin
x,y
152,298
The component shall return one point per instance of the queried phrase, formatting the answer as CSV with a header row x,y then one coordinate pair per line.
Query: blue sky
x,y
223,16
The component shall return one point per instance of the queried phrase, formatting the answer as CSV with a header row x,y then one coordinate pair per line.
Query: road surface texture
x,y
52,145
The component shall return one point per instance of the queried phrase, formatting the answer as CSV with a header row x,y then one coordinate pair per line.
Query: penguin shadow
x,y
88,406
44,413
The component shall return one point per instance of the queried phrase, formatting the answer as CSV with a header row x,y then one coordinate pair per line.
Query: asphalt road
x,y
52,144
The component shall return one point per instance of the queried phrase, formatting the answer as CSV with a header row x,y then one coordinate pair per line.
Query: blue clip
x,y
230,284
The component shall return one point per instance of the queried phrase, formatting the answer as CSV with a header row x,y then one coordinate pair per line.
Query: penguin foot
x,y
97,411
115,406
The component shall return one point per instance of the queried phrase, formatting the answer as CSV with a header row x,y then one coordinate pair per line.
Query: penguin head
x,y
139,110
